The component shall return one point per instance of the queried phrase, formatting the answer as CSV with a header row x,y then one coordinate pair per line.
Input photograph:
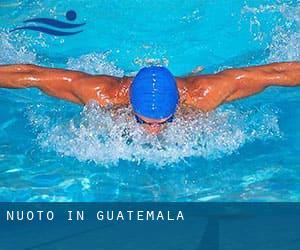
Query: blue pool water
x,y
52,150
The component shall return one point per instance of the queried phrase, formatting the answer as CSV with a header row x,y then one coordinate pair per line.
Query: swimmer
x,y
154,93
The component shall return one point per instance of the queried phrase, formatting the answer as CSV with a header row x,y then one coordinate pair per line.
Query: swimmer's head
x,y
154,95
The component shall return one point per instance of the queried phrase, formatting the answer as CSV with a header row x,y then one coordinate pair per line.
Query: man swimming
x,y
153,93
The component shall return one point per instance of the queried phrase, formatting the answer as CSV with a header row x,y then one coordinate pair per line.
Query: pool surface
x,y
247,150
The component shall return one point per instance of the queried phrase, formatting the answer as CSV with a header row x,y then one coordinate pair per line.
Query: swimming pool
x,y
248,150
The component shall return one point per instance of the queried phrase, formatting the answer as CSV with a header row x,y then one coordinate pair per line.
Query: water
x,y
248,150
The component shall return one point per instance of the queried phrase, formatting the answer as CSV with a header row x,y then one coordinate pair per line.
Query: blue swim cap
x,y
154,93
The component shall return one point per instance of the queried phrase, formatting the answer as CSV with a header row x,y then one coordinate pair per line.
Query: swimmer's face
x,y
153,126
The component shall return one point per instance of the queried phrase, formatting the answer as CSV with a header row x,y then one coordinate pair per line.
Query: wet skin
x,y
203,92
153,126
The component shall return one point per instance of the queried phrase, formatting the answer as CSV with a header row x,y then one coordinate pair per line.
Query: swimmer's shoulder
x,y
205,92
104,89
191,85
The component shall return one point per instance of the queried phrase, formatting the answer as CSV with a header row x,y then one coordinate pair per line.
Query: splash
x,y
13,51
195,16
143,62
95,63
285,45
107,136
285,35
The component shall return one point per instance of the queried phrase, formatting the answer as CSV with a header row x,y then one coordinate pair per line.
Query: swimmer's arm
x,y
74,86
255,79
207,92
54,82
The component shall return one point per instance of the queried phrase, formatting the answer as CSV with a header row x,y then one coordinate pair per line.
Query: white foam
x,y
285,44
95,63
12,51
106,136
